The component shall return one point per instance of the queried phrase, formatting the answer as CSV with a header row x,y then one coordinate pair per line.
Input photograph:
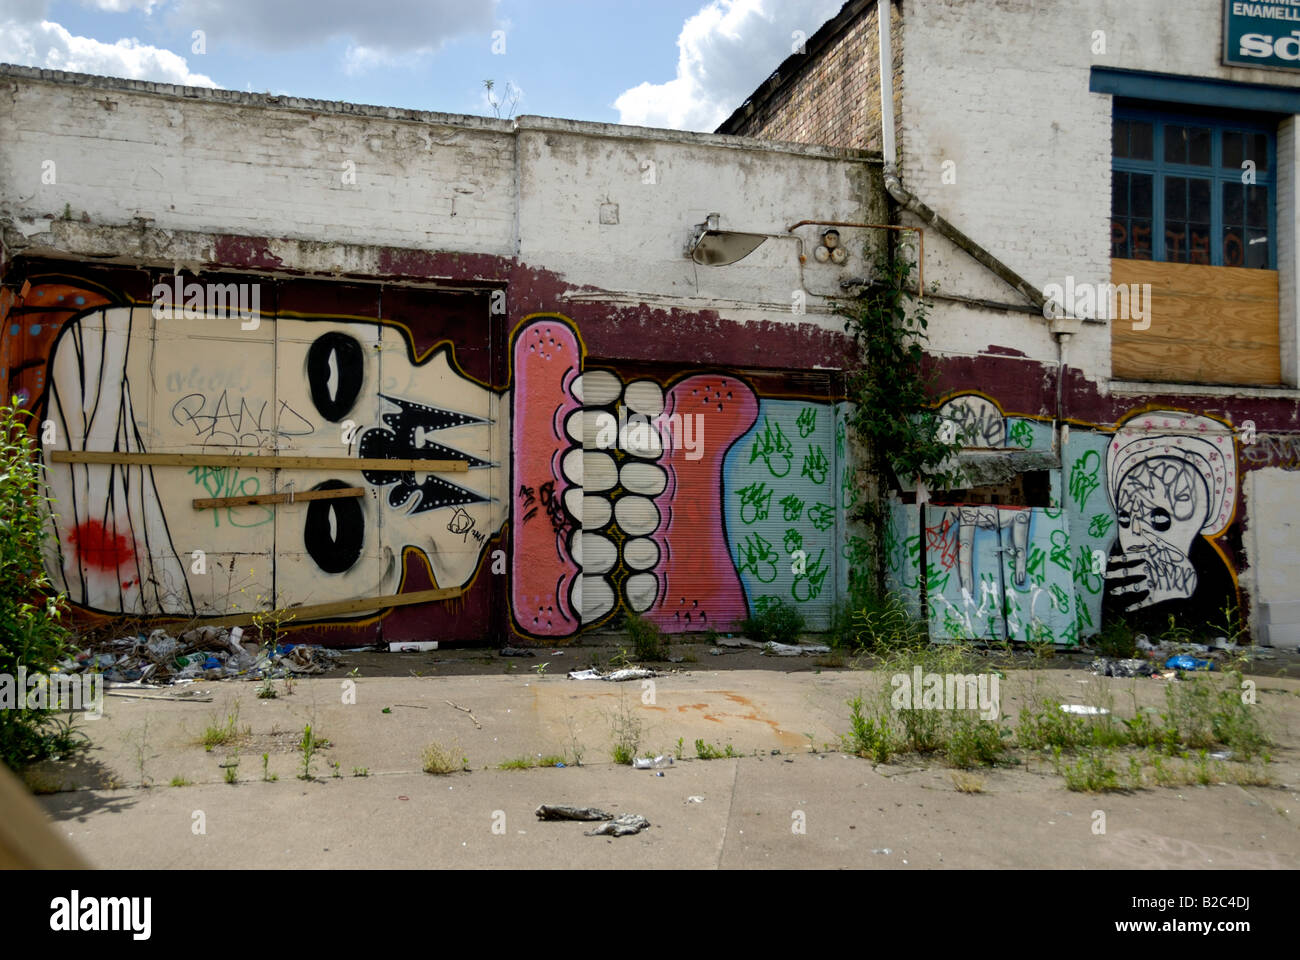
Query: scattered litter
x,y
1185,662
676,659
201,653
1143,643
631,673
192,696
465,710
652,763
412,646
1084,709
738,642
716,652
1110,667
1222,755
562,811
517,652
659,773
774,649
885,850
620,826
694,799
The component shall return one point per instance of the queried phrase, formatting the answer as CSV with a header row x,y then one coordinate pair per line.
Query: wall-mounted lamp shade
x,y
714,247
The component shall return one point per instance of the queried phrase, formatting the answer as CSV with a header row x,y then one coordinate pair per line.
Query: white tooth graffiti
x,y
641,553
637,479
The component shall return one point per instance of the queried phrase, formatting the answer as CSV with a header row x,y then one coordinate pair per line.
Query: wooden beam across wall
x,y
338,608
205,503
267,462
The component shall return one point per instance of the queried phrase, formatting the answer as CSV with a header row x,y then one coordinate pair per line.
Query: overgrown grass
x,y
774,622
1096,752
708,751
627,728
439,760
1116,640
224,733
649,642
886,724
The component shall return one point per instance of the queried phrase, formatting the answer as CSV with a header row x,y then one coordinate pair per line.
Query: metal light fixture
x,y
712,246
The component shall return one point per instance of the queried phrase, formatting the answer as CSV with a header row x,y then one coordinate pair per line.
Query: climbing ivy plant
x,y
894,404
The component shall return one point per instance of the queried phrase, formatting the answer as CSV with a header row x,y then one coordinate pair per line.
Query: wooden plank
x,y
338,608
269,462
1208,325
205,503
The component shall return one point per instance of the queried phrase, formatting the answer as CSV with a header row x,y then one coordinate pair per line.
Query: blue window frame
x,y
1177,190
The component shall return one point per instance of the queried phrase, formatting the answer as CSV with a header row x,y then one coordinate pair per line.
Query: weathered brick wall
x,y
834,98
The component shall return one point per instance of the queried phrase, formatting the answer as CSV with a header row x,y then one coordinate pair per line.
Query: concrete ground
x,y
808,805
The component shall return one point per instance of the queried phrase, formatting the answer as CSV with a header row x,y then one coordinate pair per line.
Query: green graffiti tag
x,y
1021,434
1083,477
1100,525
839,439
1034,566
1060,599
815,465
226,482
770,444
807,422
793,540
821,516
808,585
755,501
1083,573
793,508
758,557
1060,553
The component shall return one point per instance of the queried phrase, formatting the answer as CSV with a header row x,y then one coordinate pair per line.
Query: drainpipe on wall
x,y
1061,327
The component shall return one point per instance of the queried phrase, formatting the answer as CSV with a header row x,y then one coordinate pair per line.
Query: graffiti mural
x,y
693,497
1136,512
1172,481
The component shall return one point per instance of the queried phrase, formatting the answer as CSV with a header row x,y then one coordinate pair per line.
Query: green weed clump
x,y
648,640
32,634
775,621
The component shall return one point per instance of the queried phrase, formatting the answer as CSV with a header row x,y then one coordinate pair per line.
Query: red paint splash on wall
x,y
100,547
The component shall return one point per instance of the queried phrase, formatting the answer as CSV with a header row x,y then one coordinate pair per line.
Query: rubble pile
x,y
202,653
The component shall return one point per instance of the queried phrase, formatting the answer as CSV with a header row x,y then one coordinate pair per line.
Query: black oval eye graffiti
x,y
335,369
1123,518
335,530
1160,519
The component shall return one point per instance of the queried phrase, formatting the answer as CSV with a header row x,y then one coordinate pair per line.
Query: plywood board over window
x,y
1207,325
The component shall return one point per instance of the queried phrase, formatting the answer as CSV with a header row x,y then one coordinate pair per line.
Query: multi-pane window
x,y
1192,190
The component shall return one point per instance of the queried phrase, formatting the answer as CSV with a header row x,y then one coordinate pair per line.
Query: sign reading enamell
x,y
1263,34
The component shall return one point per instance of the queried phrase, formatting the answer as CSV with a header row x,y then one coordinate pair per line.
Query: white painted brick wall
x,y
231,163
1000,87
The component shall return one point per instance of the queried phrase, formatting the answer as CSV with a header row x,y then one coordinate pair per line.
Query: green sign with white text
x,y
1262,34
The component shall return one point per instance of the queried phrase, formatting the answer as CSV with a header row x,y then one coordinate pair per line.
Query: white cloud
x,y
46,44
724,52
374,29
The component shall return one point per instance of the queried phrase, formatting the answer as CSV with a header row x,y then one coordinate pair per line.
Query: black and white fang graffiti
x,y
409,437
1172,478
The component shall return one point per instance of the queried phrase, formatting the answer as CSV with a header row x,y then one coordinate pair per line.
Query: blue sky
x,y
673,63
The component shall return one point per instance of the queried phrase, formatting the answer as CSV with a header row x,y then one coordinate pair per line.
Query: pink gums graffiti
x,y
546,582
700,587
